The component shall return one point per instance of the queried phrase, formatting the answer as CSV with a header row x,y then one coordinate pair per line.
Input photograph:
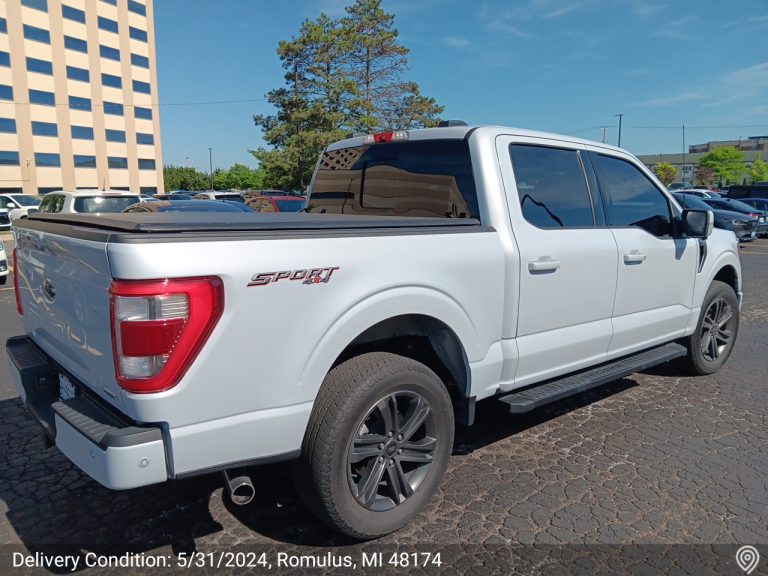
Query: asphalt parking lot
x,y
654,473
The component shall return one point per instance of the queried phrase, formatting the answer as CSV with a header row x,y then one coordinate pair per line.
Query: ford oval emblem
x,y
49,290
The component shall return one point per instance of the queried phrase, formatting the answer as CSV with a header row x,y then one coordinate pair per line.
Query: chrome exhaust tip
x,y
241,490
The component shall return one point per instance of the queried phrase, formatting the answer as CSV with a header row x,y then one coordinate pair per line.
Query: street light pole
x,y
210,164
620,116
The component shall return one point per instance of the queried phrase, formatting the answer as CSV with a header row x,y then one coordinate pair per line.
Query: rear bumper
x,y
98,439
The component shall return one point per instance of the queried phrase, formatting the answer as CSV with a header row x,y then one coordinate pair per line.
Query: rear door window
x,y
426,178
551,187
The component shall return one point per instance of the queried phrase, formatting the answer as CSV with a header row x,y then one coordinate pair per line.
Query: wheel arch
x,y
423,324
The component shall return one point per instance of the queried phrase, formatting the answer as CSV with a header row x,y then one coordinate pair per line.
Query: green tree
x,y
185,178
759,170
377,63
238,177
726,163
341,75
666,173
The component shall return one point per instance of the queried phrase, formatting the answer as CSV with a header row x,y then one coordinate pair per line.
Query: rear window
x,y
89,204
422,178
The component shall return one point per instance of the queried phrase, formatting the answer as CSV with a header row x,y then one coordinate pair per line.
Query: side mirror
x,y
11,205
698,223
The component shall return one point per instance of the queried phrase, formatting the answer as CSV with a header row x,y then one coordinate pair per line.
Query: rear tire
x,y
3,280
711,343
377,445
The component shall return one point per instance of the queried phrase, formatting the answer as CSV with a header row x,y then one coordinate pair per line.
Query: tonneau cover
x,y
238,222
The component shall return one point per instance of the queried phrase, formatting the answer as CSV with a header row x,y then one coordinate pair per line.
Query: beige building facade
x,y
78,96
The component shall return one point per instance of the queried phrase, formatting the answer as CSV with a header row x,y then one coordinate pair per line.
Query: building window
x,y
142,87
113,108
144,138
5,59
8,125
138,34
3,26
113,2
117,162
37,34
71,43
107,24
148,190
141,61
47,160
137,8
42,191
44,129
82,133
115,135
36,4
72,13
6,92
111,80
85,161
81,74
109,53
42,97
146,163
145,113
39,66
9,158
77,103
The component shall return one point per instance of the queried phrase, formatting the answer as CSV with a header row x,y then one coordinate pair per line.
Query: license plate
x,y
753,235
762,219
67,390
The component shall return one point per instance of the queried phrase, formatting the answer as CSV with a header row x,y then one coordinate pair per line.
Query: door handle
x,y
634,257
544,264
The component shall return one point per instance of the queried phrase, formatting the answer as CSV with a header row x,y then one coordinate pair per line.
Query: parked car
x,y
748,191
742,208
5,220
699,192
252,193
758,204
276,203
87,201
234,196
173,197
352,341
3,264
184,206
743,226
19,205
147,198
679,186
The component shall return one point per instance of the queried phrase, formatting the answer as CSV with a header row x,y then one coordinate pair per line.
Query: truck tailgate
x,y
64,290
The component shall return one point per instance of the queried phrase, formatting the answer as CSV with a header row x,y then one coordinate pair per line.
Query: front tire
x,y
377,445
712,342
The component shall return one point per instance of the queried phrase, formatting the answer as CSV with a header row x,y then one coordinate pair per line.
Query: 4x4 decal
x,y
306,276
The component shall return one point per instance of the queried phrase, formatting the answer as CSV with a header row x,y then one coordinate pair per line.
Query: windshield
x,y
733,205
92,204
235,197
289,205
24,200
692,202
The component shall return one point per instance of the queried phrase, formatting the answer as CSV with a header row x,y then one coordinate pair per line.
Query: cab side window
x,y
52,204
551,187
633,200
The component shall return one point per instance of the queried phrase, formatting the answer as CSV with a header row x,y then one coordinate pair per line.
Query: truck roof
x,y
460,132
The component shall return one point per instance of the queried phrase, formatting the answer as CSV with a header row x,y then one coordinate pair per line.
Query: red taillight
x,y
159,327
19,306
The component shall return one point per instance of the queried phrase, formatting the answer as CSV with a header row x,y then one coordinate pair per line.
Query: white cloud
x,y
563,10
645,9
670,100
453,42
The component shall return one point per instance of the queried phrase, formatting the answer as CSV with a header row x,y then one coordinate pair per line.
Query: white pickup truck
x,y
432,269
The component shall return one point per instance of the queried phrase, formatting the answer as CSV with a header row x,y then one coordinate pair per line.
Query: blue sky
x,y
564,66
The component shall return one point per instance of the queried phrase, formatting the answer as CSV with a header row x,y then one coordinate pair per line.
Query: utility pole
x,y
620,116
684,152
210,164
604,132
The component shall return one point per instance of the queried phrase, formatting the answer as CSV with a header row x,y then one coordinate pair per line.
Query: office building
x,y
78,94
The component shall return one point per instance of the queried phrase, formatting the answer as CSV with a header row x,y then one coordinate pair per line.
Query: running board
x,y
541,394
